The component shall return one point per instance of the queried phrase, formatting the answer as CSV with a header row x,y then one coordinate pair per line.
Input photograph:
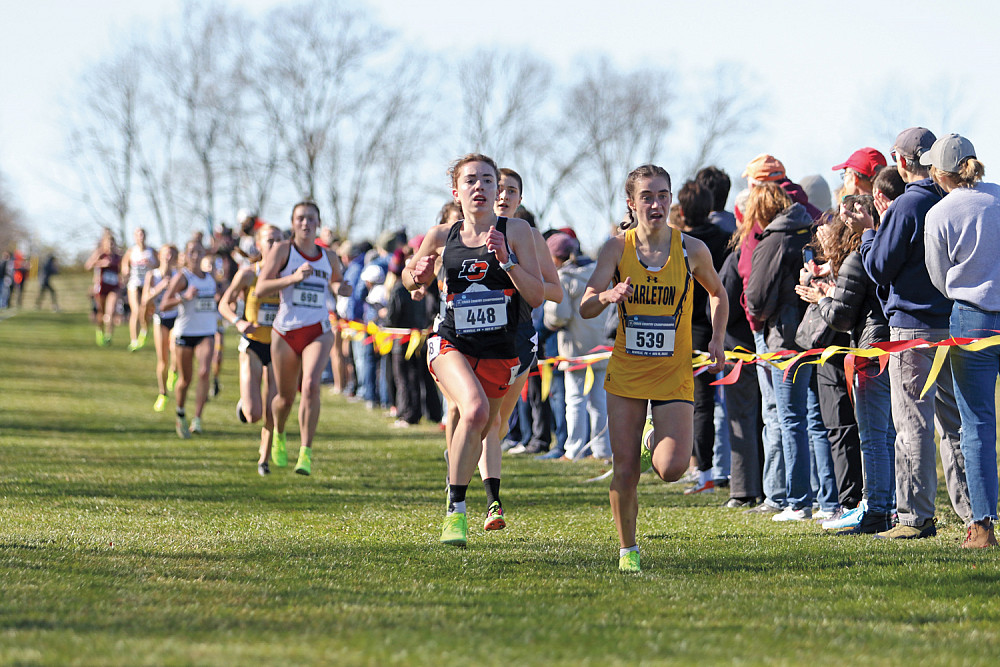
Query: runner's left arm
x,y
525,275
227,304
337,284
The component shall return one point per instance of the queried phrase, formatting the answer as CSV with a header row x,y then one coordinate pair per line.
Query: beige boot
x,y
980,535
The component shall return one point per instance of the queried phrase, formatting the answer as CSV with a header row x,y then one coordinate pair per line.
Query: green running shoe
x,y
196,425
99,337
182,428
161,403
143,337
133,346
279,455
171,380
645,452
304,466
629,562
494,517
455,530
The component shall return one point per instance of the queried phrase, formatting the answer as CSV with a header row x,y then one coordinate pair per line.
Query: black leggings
x,y
704,407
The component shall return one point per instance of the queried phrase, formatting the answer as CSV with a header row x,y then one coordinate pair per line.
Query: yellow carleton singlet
x,y
652,354
260,312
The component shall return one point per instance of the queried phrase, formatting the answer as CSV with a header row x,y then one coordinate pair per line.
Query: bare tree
x,y
507,113
502,94
12,229
940,104
102,137
383,136
729,113
254,160
311,52
404,133
613,121
201,62
157,148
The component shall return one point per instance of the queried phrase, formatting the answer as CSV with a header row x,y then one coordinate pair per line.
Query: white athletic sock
x,y
622,552
459,508
704,476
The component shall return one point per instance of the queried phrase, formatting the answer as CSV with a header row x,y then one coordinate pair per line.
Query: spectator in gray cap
x,y
577,337
817,190
962,247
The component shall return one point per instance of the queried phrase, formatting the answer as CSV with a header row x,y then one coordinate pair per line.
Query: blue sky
x,y
837,76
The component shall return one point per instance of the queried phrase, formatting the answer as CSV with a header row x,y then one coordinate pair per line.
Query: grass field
x,y
122,545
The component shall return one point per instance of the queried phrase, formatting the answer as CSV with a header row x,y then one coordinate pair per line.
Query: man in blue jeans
x,y
894,258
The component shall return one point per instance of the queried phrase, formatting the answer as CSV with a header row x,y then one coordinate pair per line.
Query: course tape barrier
x,y
784,360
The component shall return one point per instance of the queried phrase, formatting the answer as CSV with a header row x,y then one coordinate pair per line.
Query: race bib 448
x,y
480,311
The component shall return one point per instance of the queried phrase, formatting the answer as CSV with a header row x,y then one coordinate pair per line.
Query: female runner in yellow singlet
x,y
649,269
255,345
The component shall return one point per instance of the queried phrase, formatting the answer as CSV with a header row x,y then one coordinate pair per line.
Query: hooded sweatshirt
x,y
777,260
576,336
894,257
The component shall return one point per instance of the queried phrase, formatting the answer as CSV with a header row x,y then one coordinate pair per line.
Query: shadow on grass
x,y
328,573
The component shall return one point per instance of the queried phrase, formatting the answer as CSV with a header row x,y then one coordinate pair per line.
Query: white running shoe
x,y
823,515
788,514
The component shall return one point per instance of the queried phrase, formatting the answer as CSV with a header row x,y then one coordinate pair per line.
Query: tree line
x,y
181,125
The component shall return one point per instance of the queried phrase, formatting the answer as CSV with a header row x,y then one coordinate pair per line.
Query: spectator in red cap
x,y
860,170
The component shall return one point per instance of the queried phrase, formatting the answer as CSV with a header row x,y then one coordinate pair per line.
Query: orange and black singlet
x,y
479,305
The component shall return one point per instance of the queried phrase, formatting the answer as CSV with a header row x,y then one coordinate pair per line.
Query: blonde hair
x,y
264,229
970,172
764,204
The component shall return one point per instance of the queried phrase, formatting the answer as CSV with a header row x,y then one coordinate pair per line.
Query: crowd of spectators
x,y
849,444
900,252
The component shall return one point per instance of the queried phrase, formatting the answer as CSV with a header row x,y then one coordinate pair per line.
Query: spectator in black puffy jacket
x,y
771,298
853,306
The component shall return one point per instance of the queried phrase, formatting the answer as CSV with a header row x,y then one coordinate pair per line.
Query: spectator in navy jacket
x,y
894,258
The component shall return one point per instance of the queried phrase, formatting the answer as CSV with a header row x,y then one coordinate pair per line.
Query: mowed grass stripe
x,y
121,544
